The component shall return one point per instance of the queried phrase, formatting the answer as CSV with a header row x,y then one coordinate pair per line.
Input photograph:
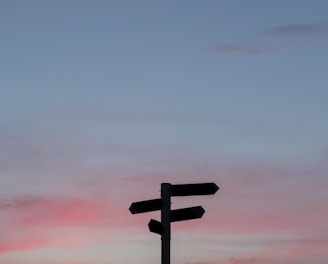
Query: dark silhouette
x,y
168,190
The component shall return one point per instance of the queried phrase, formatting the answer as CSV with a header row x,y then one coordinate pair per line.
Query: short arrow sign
x,y
194,189
187,213
146,206
155,226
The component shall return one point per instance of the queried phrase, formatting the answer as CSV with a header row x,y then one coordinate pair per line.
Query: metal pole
x,y
166,222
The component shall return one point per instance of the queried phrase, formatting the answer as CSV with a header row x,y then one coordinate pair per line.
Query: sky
x,y
102,101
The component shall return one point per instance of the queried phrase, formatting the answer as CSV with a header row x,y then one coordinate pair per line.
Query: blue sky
x,y
102,100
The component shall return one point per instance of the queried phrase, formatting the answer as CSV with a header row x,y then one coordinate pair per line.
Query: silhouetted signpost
x,y
168,190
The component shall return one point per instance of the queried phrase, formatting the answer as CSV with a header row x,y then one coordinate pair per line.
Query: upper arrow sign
x,y
187,213
146,206
194,189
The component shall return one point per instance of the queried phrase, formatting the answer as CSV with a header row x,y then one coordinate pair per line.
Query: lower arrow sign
x,y
187,213
155,226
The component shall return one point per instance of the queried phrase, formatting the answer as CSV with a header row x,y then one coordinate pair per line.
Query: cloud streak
x,y
29,223
298,30
49,261
238,50
314,31
234,260
21,203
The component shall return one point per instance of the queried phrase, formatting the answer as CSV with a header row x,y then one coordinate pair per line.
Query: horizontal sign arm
x,y
194,189
146,206
187,213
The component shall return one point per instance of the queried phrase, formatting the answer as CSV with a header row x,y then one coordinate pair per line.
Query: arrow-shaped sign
x,y
194,189
187,213
155,226
146,206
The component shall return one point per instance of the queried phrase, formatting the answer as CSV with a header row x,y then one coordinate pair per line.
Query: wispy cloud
x,y
37,211
21,202
48,261
238,50
314,246
6,247
175,118
289,247
314,31
29,223
235,260
298,30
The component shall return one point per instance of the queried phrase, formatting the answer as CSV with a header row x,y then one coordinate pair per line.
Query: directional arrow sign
x,y
194,189
187,213
146,206
155,226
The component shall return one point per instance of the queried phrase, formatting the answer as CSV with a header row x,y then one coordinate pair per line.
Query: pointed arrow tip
x,y
202,212
130,208
216,188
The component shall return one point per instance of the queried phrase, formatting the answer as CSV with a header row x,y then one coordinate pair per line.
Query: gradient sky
x,y
101,101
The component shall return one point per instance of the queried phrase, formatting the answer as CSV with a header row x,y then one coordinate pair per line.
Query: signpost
x,y
168,190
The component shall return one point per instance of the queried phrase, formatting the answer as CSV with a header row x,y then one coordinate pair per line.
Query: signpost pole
x,y
166,222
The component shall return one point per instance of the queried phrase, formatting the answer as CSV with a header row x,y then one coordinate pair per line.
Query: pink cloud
x,y
21,202
30,223
252,260
6,247
37,211
37,238
314,246
47,261
235,260
281,249
238,50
